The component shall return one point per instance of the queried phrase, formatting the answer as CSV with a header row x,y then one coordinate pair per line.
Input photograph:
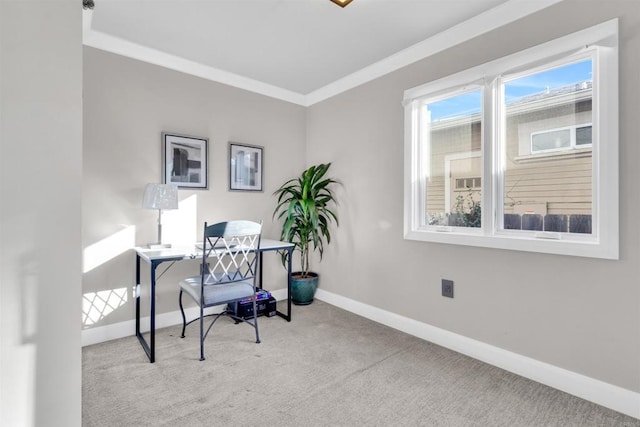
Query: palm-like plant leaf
x,y
303,204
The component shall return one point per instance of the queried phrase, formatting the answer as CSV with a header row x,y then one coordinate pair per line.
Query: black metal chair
x,y
228,273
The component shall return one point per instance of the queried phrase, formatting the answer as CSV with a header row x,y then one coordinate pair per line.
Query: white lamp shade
x,y
160,196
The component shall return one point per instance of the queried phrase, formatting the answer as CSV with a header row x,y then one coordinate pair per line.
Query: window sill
x,y
574,245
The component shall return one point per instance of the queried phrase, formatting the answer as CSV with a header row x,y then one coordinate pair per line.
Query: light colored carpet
x,y
328,367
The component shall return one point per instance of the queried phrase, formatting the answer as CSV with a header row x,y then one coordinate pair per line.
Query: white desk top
x,y
192,252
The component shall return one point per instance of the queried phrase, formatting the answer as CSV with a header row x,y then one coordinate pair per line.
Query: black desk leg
x,y
287,316
137,294
152,329
148,349
289,256
260,270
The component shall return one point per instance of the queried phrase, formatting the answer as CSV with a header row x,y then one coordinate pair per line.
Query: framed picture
x,y
245,167
185,161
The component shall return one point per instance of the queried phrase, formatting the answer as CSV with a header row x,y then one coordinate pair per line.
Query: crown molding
x,y
494,18
126,48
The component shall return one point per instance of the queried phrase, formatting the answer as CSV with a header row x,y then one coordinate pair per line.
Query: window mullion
x,y
497,159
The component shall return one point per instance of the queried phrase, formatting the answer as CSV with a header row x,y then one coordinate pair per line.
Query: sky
x,y
471,102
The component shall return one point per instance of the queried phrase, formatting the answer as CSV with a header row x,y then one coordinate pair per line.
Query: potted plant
x,y
304,205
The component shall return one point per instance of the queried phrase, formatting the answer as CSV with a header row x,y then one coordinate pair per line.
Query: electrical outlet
x,y
447,288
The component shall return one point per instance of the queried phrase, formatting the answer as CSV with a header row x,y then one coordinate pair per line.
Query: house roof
x,y
548,98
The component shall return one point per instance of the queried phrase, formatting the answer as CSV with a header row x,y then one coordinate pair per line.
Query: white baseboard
x,y
593,390
600,392
128,328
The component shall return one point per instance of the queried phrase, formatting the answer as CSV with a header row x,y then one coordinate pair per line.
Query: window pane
x,y
543,111
553,140
454,161
583,135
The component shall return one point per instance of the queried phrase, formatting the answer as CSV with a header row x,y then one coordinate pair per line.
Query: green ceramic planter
x,y
303,289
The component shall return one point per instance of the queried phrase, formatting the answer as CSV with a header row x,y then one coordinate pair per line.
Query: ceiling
x,y
297,50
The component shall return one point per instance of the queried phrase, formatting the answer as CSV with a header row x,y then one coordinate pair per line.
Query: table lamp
x,y
160,196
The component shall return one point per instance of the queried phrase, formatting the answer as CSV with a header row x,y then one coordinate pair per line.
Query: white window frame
x,y
572,139
601,43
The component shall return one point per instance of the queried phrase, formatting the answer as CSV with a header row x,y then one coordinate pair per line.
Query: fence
x,y
551,222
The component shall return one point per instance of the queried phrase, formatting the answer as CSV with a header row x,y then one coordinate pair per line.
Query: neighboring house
x,y
548,161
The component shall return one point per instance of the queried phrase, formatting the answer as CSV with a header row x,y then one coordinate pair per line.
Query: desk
x,y
155,257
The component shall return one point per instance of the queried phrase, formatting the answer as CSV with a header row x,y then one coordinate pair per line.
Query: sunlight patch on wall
x,y
180,227
98,305
108,248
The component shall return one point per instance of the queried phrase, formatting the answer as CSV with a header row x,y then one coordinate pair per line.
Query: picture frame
x,y
185,161
245,167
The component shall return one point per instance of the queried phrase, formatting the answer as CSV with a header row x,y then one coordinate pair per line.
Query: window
x,y
451,129
561,139
468,183
583,136
520,153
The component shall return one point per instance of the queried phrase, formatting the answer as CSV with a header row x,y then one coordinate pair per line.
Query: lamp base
x,y
159,245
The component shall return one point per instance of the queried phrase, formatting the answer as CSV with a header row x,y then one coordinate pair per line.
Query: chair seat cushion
x,y
216,293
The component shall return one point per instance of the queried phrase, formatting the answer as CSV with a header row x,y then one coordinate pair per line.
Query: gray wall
x,y
127,104
570,312
576,313
40,180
